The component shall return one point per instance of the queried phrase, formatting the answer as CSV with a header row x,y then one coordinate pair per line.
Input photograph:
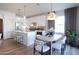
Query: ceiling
x,y
34,8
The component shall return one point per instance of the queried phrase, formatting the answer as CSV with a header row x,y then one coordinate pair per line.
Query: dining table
x,y
52,39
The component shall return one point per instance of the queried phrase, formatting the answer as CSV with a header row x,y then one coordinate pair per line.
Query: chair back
x,y
38,42
62,40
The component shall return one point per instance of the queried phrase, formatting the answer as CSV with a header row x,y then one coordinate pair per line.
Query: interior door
x,y
1,27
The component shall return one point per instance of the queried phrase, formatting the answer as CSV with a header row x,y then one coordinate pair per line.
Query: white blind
x,y
60,24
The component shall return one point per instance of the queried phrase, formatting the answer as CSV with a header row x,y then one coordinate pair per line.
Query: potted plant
x,y
50,31
71,36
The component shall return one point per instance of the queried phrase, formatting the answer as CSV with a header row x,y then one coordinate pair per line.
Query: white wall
x,y
8,24
9,20
40,20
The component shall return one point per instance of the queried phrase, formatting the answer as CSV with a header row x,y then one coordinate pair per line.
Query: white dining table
x,y
54,38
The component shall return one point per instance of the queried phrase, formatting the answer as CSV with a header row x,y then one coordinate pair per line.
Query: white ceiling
x,y
33,8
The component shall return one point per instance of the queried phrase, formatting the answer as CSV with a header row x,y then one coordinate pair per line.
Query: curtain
x,y
70,18
70,25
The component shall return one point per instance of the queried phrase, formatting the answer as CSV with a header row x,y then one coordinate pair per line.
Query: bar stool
x,y
19,37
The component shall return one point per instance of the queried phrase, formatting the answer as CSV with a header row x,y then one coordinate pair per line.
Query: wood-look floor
x,y
11,47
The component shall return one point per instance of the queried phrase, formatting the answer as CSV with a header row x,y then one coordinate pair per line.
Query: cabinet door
x,y
25,38
31,37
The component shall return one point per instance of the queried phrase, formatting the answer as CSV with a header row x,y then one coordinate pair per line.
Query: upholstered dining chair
x,y
41,47
60,45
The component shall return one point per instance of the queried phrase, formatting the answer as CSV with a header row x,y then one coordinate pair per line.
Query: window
x,y
60,24
19,26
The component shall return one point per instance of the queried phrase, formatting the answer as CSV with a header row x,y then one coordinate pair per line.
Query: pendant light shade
x,y
51,15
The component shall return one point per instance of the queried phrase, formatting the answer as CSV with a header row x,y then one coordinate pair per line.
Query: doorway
x,y
1,27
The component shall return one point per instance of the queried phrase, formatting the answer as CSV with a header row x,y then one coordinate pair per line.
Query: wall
x,y
40,20
8,23
9,20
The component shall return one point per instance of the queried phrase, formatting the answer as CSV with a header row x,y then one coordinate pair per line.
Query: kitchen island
x,y
26,38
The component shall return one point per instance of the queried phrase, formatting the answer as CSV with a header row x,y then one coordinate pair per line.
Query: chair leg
x,y
42,50
62,51
53,49
34,50
49,52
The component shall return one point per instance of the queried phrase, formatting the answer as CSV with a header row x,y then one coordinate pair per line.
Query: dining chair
x,y
60,45
41,47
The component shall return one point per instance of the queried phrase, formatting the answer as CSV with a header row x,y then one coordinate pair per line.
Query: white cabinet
x,y
27,38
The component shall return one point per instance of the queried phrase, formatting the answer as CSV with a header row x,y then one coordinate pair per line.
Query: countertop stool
x,y
19,38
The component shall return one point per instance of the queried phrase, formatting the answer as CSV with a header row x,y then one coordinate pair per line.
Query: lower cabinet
x,y
27,38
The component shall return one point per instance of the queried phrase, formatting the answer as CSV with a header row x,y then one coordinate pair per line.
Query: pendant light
x,y
19,11
18,14
24,17
51,15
